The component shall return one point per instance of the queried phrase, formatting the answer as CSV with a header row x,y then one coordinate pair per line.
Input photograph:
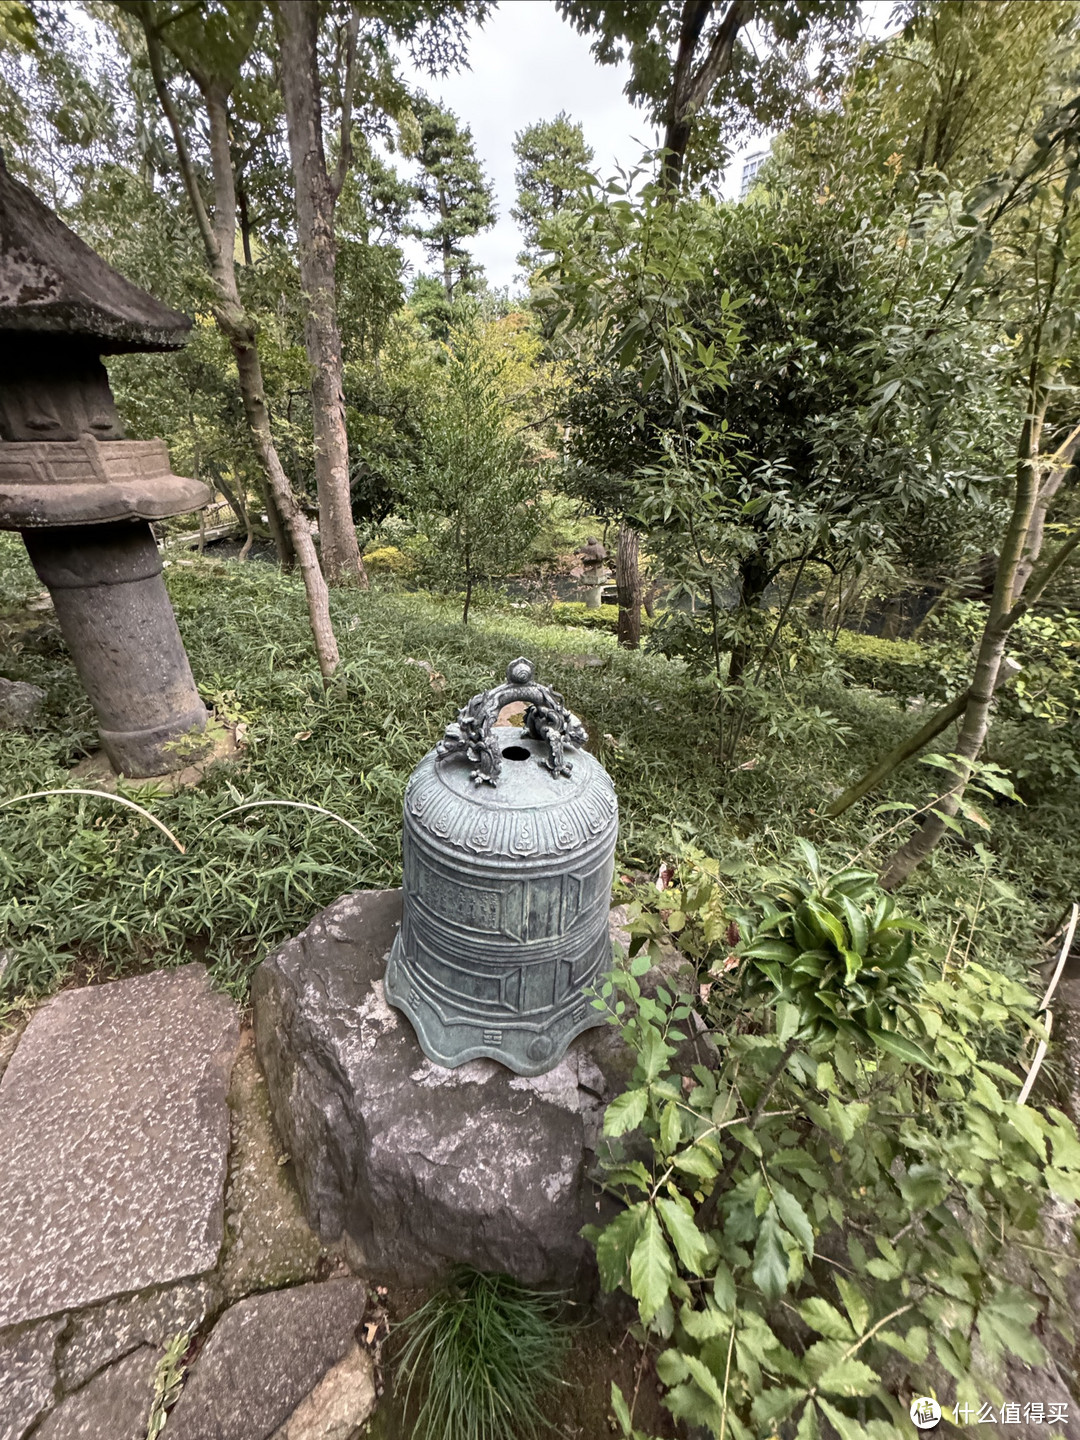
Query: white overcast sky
x,y
526,64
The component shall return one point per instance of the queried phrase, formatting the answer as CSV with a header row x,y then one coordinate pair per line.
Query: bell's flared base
x,y
449,1036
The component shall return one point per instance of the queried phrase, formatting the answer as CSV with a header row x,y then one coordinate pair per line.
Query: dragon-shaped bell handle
x,y
546,719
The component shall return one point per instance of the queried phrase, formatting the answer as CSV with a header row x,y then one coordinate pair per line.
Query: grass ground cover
x,y
90,888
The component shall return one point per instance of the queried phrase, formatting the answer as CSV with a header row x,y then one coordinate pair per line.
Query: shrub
x,y
899,667
604,617
840,1201
389,560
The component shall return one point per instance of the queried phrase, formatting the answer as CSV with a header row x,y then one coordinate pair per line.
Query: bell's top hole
x,y
516,752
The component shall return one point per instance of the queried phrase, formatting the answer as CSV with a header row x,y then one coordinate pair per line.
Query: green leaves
x,y
653,1052
615,1246
826,1319
795,1218
626,1112
770,1272
1005,1324
858,1130
678,1218
651,1268
836,956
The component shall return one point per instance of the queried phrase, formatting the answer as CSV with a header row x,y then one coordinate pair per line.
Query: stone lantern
x,y
81,495
595,574
508,854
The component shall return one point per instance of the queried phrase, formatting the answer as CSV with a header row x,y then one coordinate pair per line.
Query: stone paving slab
x,y
263,1357
114,1130
96,1337
114,1406
26,1376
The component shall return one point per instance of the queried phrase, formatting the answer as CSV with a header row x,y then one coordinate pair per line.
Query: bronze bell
x,y
508,854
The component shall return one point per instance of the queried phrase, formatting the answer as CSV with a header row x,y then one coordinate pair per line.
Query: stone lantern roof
x,y
63,456
52,283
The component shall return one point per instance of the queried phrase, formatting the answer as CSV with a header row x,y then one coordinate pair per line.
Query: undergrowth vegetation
x,y
89,887
838,1200
481,1360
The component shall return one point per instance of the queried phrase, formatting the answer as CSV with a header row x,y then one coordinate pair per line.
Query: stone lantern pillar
x,y
81,495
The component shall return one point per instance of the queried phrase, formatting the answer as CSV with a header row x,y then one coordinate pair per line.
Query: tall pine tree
x,y
553,165
453,192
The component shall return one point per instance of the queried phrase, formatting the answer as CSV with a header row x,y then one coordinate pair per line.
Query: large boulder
x,y
416,1166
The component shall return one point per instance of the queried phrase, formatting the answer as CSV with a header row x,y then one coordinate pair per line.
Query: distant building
x,y
751,165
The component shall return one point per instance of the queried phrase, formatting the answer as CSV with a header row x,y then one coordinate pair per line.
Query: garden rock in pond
x,y
417,1166
114,1126
263,1357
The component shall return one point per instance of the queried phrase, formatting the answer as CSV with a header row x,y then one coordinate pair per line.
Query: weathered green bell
x,y
508,854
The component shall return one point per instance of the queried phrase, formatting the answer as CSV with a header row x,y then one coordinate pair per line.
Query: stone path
x,y
114,1129
142,1198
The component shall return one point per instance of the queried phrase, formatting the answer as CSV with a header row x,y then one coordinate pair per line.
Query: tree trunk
x,y
258,417
238,505
219,241
628,584
939,721
447,254
298,31
1051,484
279,531
690,88
999,622
754,581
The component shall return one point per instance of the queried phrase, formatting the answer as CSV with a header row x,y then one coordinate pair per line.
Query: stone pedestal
x,y
114,611
414,1166
593,582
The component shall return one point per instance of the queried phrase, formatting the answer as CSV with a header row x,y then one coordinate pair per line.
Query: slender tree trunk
x,y
1051,484
219,241
628,584
258,417
245,224
447,257
239,507
976,721
279,531
298,32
